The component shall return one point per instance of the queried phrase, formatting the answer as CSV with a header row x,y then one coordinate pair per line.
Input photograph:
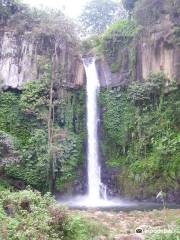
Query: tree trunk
x,y
50,128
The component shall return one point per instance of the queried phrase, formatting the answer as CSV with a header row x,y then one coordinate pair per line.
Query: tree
x,y
50,127
98,14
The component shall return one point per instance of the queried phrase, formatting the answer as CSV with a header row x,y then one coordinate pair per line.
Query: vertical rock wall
x,y
19,59
158,52
156,48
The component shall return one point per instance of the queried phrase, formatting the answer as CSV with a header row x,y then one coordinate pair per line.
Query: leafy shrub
x,y
34,164
67,159
89,44
35,98
142,93
4,185
29,215
126,28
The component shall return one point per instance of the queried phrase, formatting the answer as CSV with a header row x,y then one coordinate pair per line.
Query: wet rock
x,y
25,204
20,185
8,208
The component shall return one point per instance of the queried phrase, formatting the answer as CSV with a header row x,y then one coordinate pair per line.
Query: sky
x,y
72,7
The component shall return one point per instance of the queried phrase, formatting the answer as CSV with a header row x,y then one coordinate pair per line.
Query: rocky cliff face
x,y
21,57
18,61
158,52
109,79
155,47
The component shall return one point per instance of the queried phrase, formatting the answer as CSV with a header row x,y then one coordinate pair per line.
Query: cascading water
x,y
97,191
95,187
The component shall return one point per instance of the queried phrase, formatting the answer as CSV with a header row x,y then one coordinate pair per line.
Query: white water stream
x,y
97,192
94,171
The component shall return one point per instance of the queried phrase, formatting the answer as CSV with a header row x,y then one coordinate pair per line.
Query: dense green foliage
x,y
97,15
24,117
116,44
141,135
28,215
4,185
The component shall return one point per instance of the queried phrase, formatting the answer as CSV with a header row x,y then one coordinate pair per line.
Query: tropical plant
x,y
29,215
97,15
140,135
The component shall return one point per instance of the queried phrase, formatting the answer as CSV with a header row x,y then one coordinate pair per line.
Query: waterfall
x,y
96,189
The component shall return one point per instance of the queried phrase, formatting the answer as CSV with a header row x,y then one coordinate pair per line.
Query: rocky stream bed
x,y
126,225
